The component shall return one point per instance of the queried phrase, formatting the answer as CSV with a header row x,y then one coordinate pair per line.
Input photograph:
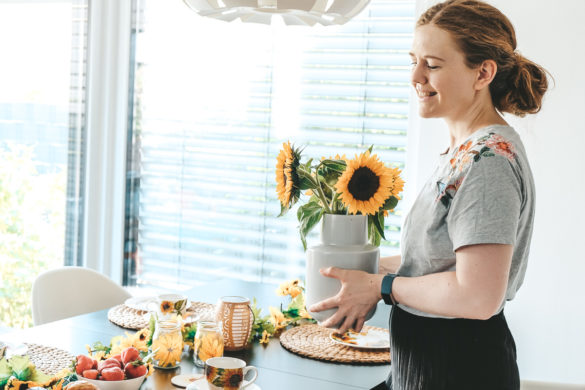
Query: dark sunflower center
x,y
363,183
235,380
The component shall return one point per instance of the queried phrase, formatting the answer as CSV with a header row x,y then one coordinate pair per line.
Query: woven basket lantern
x,y
237,319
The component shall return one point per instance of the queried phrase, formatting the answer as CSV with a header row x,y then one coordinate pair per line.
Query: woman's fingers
x,y
334,320
325,304
332,272
359,324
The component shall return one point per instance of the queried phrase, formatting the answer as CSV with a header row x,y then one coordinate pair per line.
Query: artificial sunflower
x,y
365,185
277,318
209,346
169,348
287,179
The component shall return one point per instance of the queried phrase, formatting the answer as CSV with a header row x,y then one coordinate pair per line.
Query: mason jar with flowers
x,y
351,198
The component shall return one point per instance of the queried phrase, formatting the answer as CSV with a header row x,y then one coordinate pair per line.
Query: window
x,y
213,103
41,136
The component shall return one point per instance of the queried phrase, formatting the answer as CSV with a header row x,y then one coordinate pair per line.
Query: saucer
x,y
185,380
201,384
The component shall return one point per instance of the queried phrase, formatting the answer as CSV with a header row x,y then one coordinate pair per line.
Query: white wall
x,y
547,317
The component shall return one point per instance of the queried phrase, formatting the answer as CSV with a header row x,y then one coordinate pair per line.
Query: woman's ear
x,y
486,73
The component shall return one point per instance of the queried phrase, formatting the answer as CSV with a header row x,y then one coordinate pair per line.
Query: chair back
x,y
70,291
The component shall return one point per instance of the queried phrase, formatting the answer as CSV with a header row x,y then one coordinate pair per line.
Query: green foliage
x,y
32,229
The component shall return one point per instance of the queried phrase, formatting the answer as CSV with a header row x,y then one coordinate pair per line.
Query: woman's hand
x,y
359,292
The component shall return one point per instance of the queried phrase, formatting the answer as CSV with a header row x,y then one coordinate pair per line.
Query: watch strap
x,y
387,295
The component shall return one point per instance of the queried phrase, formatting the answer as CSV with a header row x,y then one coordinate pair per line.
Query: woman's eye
x,y
432,67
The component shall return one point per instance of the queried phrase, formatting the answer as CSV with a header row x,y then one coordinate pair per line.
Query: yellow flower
x,y
277,318
209,346
166,307
140,339
287,180
365,184
265,337
291,288
169,348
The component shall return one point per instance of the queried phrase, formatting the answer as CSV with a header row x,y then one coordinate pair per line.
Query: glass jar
x,y
167,341
208,342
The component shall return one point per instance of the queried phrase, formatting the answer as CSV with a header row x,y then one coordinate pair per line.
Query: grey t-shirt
x,y
482,192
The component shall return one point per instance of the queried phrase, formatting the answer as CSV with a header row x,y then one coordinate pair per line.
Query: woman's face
x,y
443,82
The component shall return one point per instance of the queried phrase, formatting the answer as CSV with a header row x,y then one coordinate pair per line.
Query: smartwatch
x,y
387,289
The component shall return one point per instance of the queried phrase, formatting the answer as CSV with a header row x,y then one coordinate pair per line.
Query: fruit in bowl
x,y
125,371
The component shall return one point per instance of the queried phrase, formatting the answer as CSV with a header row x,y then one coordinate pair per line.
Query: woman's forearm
x,y
389,265
476,290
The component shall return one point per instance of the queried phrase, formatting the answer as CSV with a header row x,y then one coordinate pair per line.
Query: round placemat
x,y
130,318
49,360
313,341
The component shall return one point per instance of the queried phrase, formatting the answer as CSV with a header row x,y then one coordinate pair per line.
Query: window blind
x,y
207,126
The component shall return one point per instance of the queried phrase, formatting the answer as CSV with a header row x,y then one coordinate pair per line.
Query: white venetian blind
x,y
213,103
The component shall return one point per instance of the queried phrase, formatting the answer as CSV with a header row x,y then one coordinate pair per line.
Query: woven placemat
x,y
130,318
49,360
313,341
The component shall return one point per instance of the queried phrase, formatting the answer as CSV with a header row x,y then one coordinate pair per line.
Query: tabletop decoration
x,y
20,372
295,314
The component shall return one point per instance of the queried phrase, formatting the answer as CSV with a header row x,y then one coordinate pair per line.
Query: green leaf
x,y
335,165
21,367
309,215
39,376
283,210
370,149
390,203
378,220
5,372
305,183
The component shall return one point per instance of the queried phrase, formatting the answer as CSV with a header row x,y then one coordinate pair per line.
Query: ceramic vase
x,y
344,244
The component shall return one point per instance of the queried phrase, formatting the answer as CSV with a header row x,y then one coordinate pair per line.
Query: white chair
x,y
70,291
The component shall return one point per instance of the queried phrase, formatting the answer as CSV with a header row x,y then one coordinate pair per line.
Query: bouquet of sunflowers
x,y
338,185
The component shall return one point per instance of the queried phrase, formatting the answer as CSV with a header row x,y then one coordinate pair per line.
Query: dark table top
x,y
278,368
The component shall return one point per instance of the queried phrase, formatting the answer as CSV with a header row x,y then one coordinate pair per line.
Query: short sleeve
x,y
486,207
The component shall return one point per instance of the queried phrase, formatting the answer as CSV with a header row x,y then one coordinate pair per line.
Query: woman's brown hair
x,y
482,33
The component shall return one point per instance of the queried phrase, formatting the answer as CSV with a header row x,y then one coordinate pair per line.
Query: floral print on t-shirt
x,y
472,151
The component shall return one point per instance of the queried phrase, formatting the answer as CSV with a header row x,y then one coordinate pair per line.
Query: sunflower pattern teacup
x,y
227,373
169,305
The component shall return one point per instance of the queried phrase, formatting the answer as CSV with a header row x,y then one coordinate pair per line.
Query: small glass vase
x,y
208,342
167,341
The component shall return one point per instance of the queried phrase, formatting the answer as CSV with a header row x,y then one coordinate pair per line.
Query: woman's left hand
x,y
359,292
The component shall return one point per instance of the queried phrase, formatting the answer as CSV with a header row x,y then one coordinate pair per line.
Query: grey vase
x,y
344,244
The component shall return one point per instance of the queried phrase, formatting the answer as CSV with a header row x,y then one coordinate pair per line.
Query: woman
x,y
465,241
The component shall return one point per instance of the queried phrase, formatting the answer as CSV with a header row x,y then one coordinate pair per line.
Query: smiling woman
x,y
465,242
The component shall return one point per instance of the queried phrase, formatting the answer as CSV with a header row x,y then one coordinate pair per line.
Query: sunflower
x,y
287,179
166,307
365,184
277,318
209,346
397,182
169,348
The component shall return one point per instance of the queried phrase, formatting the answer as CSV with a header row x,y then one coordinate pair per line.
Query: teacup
x,y
227,373
169,304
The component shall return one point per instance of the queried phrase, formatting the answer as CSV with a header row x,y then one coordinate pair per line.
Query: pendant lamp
x,y
293,12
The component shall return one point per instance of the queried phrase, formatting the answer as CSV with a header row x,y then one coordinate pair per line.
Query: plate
x,y
370,339
201,384
140,303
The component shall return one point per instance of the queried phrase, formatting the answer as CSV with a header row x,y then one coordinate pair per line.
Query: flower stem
x,y
317,183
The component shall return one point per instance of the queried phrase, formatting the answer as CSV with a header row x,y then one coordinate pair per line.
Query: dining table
x,y
278,368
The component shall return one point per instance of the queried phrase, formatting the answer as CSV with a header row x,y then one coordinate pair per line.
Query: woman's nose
x,y
417,75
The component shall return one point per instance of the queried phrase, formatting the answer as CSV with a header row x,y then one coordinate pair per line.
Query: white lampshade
x,y
293,12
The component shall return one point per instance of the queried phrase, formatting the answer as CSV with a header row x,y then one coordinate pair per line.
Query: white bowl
x,y
126,384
